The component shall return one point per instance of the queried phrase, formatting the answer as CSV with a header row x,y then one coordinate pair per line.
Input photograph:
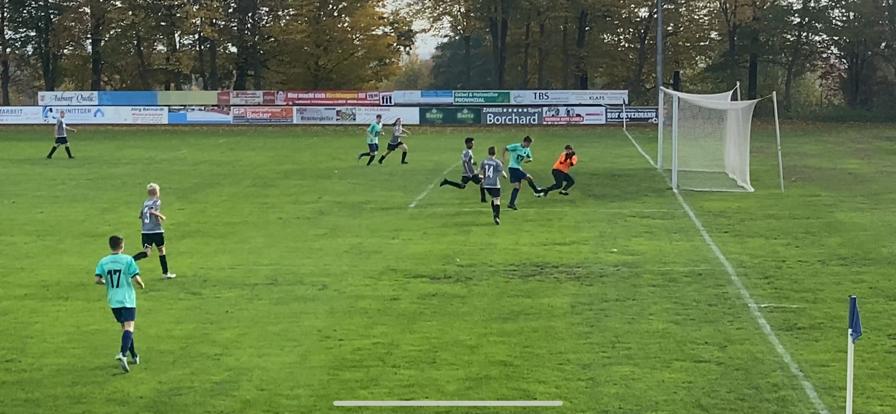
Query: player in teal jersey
x,y
519,153
373,139
119,273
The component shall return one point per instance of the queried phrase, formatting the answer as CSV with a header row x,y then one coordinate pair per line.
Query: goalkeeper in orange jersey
x,y
562,180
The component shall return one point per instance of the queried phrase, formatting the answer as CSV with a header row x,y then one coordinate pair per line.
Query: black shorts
x,y
123,315
393,147
373,148
61,140
153,239
493,192
475,178
517,175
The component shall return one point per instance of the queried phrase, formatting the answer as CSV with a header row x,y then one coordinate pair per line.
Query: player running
x,y
492,169
373,139
152,233
519,153
562,179
395,142
61,130
119,273
469,174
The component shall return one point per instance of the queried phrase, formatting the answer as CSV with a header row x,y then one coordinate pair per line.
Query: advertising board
x,y
336,115
450,116
262,115
633,115
511,116
180,115
574,115
68,98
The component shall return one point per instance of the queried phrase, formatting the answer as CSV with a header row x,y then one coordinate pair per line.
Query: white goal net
x,y
704,141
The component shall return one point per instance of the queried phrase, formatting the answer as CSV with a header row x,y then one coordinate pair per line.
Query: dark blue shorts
x,y
517,175
373,147
61,140
123,315
494,192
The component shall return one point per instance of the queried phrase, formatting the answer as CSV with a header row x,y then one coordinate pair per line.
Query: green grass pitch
x,y
304,277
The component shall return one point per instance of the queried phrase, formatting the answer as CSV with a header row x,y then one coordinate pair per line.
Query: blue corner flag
x,y
855,322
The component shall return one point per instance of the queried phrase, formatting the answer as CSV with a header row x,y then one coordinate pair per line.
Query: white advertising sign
x,y
356,115
141,115
431,97
574,115
67,98
20,115
569,97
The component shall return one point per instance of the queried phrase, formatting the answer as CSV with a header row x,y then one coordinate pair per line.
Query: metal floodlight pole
x,y
660,35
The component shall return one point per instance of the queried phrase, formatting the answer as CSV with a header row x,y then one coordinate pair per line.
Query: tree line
x,y
197,44
816,53
813,52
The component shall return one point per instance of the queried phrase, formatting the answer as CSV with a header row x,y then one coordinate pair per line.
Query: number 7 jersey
x,y
117,270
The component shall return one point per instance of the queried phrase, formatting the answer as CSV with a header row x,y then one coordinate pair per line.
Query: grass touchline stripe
x,y
428,403
745,295
428,189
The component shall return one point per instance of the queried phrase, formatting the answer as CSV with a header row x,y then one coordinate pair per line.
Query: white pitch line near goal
x,y
808,388
431,186
429,403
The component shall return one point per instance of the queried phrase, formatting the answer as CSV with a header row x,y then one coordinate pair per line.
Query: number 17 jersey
x,y
117,270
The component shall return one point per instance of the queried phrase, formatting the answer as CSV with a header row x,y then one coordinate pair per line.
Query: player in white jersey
x,y
61,130
151,218
469,173
398,132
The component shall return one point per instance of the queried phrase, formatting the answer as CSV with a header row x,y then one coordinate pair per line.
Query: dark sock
x,y
404,156
52,151
533,186
454,184
126,338
482,194
382,158
164,262
363,154
513,195
496,209
132,349
370,161
140,256
69,152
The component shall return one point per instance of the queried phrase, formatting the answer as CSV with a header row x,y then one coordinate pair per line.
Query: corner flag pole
x,y
853,333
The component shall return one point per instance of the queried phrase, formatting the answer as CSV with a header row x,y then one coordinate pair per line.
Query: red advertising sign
x,y
262,115
249,98
355,98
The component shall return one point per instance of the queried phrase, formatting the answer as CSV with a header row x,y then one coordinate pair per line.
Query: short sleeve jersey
x,y
564,163
518,154
151,223
373,132
466,159
60,128
117,270
491,170
397,130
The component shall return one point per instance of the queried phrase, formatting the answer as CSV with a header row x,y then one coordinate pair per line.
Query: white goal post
x,y
704,140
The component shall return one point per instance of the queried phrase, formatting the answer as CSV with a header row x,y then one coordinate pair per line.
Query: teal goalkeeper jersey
x,y
518,154
373,132
117,270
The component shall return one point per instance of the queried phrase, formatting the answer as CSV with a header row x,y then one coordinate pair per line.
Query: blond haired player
x,y
151,218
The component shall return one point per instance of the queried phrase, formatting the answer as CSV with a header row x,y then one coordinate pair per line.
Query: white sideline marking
x,y
745,295
641,150
485,206
428,403
428,189
778,305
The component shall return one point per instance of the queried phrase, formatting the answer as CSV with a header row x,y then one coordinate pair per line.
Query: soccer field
x,y
304,277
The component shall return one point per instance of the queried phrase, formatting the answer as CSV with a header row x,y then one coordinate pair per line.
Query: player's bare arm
x,y
139,282
99,280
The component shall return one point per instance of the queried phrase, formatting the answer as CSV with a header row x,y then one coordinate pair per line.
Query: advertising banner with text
x,y
511,116
11,115
262,115
354,115
122,115
348,98
569,97
68,98
633,115
574,115
481,97
450,116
